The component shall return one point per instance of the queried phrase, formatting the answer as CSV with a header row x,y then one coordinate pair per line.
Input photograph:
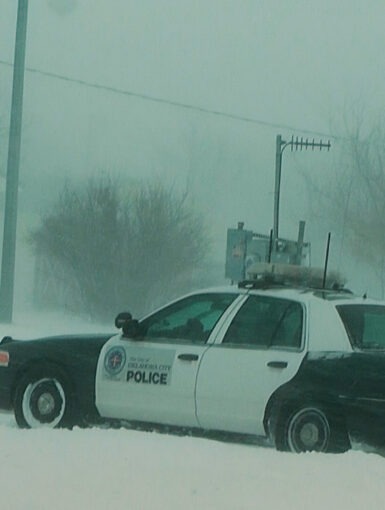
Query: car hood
x,y
102,337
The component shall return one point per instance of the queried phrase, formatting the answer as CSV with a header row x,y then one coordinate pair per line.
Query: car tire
x,y
43,399
311,428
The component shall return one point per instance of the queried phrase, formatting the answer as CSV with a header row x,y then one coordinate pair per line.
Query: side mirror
x,y
129,325
122,318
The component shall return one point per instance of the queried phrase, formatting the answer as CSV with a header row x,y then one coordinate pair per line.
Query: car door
x,y
261,349
153,378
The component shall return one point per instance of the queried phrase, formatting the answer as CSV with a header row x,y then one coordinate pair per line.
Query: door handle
x,y
277,364
188,357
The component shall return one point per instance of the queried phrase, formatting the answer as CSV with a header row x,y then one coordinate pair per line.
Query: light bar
x,y
287,274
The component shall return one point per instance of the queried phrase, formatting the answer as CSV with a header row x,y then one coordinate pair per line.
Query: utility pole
x,y
12,183
295,144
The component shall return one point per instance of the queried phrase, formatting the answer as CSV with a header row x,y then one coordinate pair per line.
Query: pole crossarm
x,y
304,143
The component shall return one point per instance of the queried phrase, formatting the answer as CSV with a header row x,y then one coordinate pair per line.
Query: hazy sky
x,y
291,62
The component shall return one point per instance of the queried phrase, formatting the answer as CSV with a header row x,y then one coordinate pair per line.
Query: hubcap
x,y
309,435
45,403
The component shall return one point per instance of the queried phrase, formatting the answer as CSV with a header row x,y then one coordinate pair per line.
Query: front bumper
x,y
7,377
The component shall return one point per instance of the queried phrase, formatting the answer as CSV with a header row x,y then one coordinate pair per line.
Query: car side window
x,y
289,328
267,322
191,319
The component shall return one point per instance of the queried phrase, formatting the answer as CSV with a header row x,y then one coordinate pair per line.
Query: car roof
x,y
302,294
308,295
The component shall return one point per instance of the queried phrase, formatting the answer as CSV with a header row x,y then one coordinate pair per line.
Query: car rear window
x,y
364,324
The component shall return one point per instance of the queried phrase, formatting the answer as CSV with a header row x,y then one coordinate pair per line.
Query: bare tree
x,y
355,198
119,250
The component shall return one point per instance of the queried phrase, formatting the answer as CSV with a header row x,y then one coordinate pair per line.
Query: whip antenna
x,y
326,260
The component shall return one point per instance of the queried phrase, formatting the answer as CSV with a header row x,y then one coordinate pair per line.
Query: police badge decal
x,y
114,360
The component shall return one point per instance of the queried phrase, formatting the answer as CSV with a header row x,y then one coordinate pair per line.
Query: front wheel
x,y
311,429
42,400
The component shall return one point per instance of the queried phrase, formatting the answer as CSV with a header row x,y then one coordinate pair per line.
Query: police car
x,y
302,366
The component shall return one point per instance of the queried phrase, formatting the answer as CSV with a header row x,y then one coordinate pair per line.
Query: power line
x,y
177,104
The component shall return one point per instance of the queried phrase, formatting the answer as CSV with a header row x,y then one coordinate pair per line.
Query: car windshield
x,y
364,324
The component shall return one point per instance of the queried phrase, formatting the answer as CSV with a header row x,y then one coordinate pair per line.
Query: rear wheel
x,y
311,428
42,399
308,430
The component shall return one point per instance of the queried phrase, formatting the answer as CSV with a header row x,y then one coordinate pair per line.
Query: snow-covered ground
x,y
101,469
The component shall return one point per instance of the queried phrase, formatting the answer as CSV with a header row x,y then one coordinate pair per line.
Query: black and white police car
x,y
303,366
